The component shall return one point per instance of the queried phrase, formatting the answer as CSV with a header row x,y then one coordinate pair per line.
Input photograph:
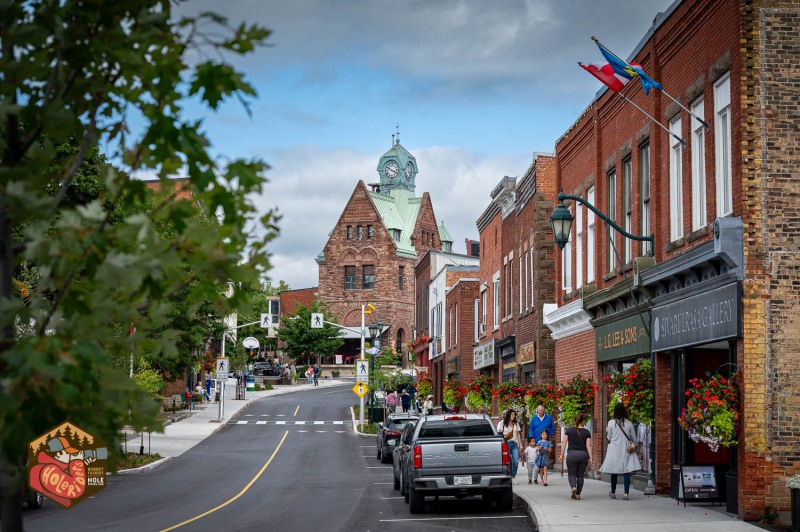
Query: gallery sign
x,y
484,355
698,319
622,338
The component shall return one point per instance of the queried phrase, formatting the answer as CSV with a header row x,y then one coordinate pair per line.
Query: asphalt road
x,y
264,470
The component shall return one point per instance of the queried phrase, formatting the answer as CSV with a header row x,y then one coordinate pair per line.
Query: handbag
x,y
632,447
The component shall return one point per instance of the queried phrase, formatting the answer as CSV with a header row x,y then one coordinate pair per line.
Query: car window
x,y
398,423
456,429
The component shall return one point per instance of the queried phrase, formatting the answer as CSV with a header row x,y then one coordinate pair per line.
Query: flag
x,y
629,70
605,73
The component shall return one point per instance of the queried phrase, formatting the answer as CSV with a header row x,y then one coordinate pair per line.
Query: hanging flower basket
x,y
712,411
425,387
454,392
574,397
510,395
541,394
479,393
634,389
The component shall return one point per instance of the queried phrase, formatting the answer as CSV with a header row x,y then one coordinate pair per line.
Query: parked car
x,y
456,455
263,368
400,454
388,433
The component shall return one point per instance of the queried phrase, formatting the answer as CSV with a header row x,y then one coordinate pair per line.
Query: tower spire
x,y
397,126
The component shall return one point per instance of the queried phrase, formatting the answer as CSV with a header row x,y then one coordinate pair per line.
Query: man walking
x,y
541,421
316,375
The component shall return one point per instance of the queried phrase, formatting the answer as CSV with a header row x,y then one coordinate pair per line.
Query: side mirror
x,y
379,425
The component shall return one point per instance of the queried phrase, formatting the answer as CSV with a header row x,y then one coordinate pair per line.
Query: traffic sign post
x,y
317,320
266,320
360,389
362,371
222,368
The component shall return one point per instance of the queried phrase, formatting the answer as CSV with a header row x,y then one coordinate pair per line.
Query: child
x,y
543,460
529,458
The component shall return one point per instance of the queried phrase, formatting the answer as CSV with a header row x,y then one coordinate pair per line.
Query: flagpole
x,y
648,115
665,93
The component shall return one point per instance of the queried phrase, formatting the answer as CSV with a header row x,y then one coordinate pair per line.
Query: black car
x,y
400,456
389,432
264,368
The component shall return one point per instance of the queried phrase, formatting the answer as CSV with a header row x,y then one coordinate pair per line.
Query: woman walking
x,y
579,456
622,456
510,430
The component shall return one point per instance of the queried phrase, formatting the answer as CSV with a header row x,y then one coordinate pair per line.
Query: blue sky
x,y
476,87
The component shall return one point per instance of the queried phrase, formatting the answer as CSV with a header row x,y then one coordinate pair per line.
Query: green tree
x,y
73,73
300,339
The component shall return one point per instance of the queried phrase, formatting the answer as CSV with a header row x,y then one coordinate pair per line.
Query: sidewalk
x,y
552,509
182,435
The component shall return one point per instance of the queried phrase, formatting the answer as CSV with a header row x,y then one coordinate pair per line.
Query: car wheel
x,y
380,455
403,487
386,459
416,502
35,500
396,484
505,500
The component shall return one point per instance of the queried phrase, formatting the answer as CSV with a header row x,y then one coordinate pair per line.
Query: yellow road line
x,y
244,490
296,410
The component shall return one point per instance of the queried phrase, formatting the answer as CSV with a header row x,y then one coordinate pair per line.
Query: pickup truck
x,y
456,455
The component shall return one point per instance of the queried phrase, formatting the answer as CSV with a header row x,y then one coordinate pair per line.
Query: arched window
x,y
399,344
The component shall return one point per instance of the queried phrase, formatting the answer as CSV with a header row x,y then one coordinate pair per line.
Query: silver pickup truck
x,y
455,455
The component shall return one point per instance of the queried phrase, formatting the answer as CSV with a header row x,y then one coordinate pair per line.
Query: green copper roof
x,y
444,234
399,210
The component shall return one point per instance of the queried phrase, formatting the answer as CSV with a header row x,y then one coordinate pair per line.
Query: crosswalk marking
x,y
280,423
284,422
261,422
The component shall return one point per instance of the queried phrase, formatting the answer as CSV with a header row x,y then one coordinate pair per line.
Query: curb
x,y
355,425
144,468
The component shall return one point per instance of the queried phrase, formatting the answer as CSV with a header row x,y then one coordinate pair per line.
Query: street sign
x,y
316,320
266,320
360,389
250,343
222,368
362,370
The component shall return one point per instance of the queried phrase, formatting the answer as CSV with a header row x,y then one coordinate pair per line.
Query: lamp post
x,y
374,332
561,220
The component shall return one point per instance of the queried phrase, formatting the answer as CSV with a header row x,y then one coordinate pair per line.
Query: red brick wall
x,y
291,298
463,294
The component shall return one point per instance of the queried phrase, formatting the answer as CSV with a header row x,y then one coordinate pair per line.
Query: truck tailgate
x,y
462,455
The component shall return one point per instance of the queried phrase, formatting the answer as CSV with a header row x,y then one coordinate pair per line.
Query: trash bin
x,y
251,383
375,414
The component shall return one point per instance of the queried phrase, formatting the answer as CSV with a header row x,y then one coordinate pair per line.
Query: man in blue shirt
x,y
541,421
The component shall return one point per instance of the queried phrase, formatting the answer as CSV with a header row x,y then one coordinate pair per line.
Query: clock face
x,y
409,170
391,169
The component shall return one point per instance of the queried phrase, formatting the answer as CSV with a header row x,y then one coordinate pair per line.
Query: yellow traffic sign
x,y
360,389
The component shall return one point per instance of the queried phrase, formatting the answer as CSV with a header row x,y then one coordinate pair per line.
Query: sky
x,y
474,88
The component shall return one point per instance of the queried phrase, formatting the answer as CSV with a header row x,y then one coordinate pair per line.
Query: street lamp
x,y
374,332
561,220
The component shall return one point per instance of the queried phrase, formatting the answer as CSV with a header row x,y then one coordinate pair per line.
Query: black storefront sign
x,y
705,317
623,338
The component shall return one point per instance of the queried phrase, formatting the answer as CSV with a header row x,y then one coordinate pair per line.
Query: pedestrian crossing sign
x,y
360,389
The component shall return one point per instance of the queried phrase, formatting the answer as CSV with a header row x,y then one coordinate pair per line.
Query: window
x,y
675,181
522,272
349,232
698,167
644,175
483,311
496,300
454,327
400,274
359,232
477,320
722,127
439,323
275,311
369,277
447,247
508,306
579,245
627,213
533,284
505,288
566,267
349,277
370,232
590,237
396,235
611,212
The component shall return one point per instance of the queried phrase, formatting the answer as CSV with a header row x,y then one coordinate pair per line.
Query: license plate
x,y
462,481
391,442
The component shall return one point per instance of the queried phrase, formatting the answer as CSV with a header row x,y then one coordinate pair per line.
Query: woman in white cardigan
x,y
621,436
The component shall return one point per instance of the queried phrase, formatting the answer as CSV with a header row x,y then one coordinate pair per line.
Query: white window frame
x,y
522,272
579,245
644,194
722,141
627,207
698,166
483,307
496,300
455,326
476,316
611,212
566,266
532,279
675,180
591,237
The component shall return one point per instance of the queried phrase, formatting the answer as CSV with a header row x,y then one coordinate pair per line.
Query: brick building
x,y
719,292
370,255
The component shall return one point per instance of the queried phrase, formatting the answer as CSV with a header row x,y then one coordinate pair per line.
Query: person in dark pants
x,y
316,375
405,401
580,454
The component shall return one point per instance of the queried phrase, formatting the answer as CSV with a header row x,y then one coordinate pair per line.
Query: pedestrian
x,y
622,456
391,401
412,392
543,447
510,430
529,458
541,421
208,386
580,454
427,406
309,374
405,401
316,375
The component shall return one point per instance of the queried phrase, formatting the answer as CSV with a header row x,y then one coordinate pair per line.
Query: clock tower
x,y
397,168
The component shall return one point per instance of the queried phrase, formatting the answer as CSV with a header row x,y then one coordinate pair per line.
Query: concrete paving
x,y
550,507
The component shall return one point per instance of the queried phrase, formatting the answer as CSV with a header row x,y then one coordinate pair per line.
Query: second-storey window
x,y
359,232
369,277
349,232
627,212
579,245
675,181
722,138
349,277
400,275
370,232
590,237
644,175
611,212
698,167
